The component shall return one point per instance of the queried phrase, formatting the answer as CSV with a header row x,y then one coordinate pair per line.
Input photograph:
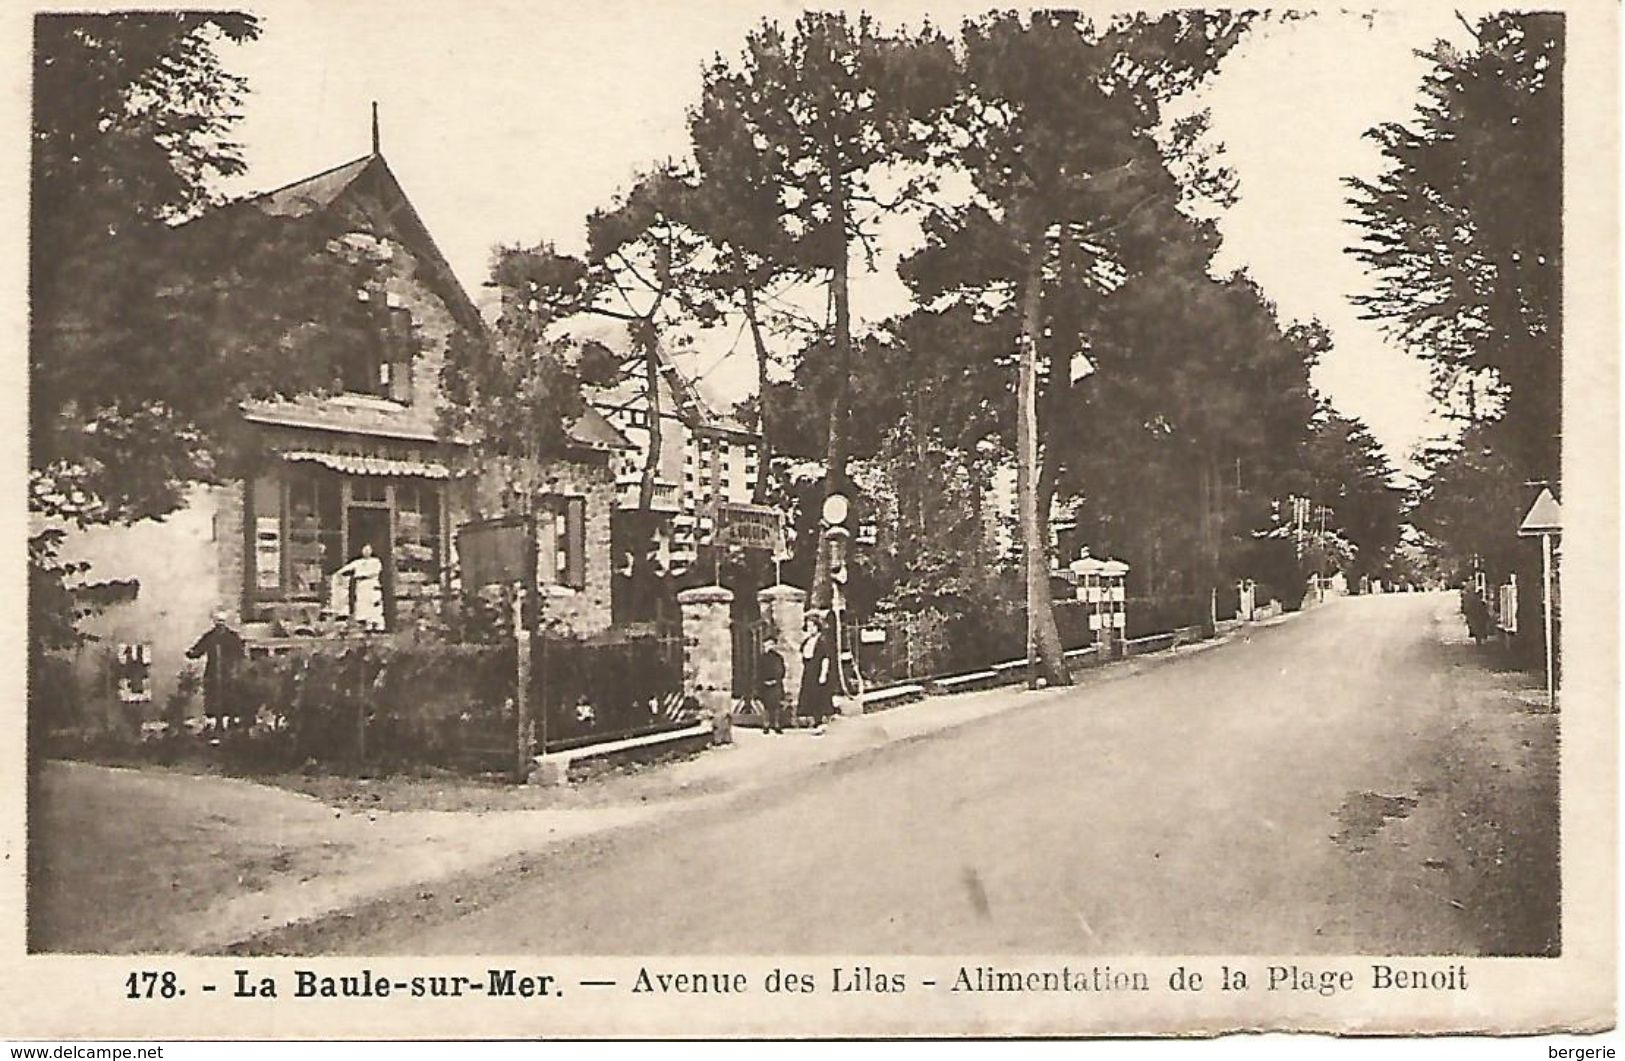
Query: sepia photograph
x,y
1017,503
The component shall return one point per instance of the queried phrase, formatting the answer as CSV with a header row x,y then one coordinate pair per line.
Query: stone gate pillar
x,y
708,652
783,609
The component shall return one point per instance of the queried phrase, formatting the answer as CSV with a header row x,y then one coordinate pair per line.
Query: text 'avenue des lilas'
x,y
858,979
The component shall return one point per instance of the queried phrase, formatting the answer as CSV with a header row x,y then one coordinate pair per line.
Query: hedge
x,y
447,705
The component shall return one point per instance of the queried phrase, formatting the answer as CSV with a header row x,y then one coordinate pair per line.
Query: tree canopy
x,y
154,311
1462,231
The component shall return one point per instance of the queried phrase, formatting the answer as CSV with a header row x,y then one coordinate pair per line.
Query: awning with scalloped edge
x,y
380,466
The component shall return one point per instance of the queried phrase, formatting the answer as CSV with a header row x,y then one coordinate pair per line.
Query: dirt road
x,y
1355,781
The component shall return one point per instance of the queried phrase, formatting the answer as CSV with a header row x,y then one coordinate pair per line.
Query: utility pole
x,y
526,608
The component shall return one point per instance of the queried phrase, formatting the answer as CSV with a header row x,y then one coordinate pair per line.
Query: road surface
x,y
1355,780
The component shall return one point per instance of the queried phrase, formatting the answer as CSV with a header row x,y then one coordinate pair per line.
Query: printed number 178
x,y
152,985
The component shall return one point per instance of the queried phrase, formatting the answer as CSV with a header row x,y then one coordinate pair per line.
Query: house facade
x,y
345,521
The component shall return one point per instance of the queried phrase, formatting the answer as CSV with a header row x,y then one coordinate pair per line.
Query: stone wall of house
x,y
432,322
189,565
589,476
230,549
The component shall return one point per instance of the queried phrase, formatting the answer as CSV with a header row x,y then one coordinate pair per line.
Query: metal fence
x,y
608,688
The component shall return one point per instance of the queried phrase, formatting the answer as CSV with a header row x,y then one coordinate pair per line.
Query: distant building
x,y
708,462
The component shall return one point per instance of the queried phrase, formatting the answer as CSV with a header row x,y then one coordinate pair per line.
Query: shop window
x,y
298,528
266,504
315,528
417,538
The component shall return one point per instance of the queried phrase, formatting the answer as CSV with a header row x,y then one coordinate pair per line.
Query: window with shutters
x,y
561,533
382,368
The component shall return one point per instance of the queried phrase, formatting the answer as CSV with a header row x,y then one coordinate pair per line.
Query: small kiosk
x,y
1101,585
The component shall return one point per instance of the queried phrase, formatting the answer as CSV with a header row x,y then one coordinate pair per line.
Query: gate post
x,y
708,653
783,610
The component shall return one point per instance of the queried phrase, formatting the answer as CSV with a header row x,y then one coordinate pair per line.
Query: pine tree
x,y
832,104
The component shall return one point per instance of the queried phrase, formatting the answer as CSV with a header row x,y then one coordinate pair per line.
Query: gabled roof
x,y
594,432
310,194
329,188
687,402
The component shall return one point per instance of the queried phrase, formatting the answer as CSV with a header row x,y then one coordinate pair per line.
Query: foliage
x,y
512,390
1054,126
1462,229
153,315
1351,474
1471,501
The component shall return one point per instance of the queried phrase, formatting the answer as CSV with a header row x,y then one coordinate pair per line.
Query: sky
x,y
510,122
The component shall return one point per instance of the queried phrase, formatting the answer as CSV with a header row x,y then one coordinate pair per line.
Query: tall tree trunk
x,y
917,436
642,522
646,340
1044,655
1050,411
835,474
764,453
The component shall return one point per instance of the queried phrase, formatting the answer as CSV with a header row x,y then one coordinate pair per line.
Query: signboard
x,y
494,551
1544,516
745,526
267,552
1507,613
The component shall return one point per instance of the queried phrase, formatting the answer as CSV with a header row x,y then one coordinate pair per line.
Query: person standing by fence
x,y
817,672
221,649
770,686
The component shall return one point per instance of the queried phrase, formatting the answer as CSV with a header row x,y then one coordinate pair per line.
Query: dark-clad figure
x,y
817,672
221,649
770,685
1477,611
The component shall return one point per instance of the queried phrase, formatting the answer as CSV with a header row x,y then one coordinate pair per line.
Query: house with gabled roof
x,y
365,468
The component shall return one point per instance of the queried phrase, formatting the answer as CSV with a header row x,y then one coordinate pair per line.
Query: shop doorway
x,y
370,525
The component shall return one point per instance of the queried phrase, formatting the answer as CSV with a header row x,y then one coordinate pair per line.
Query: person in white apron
x,y
365,577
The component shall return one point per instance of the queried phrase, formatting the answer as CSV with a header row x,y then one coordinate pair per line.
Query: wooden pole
x,y
521,641
1546,614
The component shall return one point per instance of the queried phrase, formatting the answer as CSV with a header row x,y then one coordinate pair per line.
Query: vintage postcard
x,y
746,519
